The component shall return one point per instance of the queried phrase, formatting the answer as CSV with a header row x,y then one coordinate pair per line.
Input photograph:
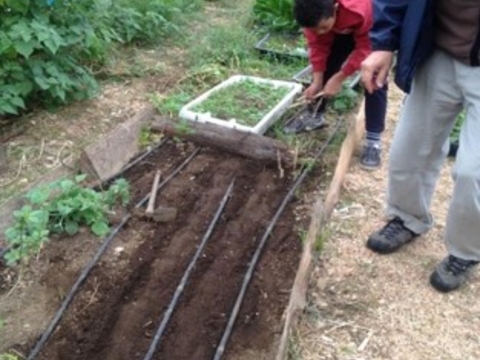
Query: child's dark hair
x,y
309,13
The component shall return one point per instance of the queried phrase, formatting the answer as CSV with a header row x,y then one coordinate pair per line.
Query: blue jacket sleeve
x,y
388,16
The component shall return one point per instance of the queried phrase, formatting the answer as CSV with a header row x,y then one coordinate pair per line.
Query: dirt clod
x,y
165,214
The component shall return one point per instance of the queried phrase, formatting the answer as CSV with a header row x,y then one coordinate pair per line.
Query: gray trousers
x,y
442,87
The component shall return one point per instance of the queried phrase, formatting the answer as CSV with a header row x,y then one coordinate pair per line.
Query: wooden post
x,y
322,211
246,144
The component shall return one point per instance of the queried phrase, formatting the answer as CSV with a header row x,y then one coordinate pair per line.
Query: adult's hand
x,y
375,69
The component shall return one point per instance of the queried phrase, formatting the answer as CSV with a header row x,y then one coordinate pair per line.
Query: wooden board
x,y
106,157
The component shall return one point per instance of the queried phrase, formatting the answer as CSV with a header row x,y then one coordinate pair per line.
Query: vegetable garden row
x,y
211,284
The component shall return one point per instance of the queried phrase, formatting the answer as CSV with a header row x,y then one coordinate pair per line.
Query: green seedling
x,y
61,207
294,350
6,356
147,137
170,105
309,163
346,100
319,241
247,102
184,127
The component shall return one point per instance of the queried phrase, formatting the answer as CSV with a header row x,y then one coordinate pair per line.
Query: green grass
x,y
223,51
455,134
232,48
246,101
6,356
294,349
275,14
286,44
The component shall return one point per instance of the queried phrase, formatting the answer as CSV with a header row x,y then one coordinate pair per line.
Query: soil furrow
x,y
199,320
117,312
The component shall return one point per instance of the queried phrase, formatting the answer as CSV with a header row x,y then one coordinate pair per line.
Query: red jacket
x,y
353,16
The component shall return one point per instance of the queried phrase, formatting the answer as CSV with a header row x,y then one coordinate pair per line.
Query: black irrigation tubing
x,y
106,242
181,286
253,263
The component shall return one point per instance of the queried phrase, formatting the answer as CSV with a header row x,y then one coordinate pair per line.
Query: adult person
x,y
438,65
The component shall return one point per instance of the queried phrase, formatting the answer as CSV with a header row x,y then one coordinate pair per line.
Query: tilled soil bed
x,y
117,311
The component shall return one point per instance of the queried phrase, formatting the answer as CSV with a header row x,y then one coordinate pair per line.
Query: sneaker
x,y
371,156
391,237
451,273
305,121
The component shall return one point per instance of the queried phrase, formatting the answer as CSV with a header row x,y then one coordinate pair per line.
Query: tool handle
x,y
153,193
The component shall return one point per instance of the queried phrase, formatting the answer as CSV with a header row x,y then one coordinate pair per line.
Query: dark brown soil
x,y
117,311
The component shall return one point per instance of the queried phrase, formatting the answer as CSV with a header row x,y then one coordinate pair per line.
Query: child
x,y
337,37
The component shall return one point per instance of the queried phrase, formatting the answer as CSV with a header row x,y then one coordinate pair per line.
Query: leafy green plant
x,y
61,207
118,191
48,48
37,52
245,101
346,100
275,14
28,233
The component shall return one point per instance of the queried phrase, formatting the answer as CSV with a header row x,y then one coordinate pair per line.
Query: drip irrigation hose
x,y
253,263
181,286
86,271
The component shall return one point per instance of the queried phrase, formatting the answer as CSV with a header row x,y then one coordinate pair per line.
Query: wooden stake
x,y
322,211
153,194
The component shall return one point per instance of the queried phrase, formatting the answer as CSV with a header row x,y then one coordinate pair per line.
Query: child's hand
x,y
334,85
312,90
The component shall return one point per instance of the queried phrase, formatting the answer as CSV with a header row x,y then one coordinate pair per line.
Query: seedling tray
x,y
264,47
189,111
